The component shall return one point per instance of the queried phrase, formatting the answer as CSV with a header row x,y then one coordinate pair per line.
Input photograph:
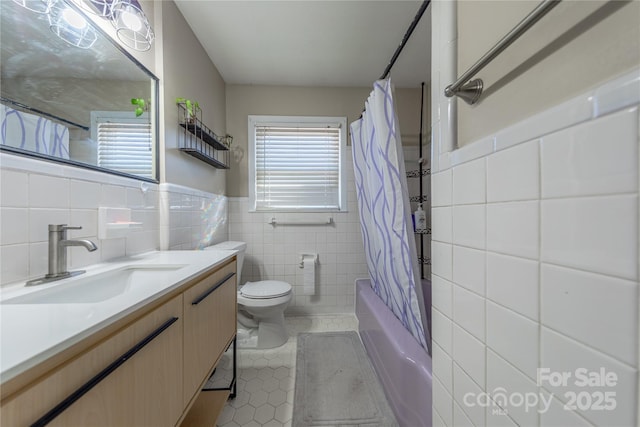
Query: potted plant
x,y
141,106
192,107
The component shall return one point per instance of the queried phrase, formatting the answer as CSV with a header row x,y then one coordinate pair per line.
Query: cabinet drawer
x,y
144,390
209,326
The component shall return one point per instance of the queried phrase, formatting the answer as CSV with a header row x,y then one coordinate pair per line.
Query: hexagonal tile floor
x,y
266,378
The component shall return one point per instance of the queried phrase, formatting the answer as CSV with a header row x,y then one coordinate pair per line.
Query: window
x,y
295,163
125,143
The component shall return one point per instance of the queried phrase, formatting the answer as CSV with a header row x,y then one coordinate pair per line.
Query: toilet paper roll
x,y
309,266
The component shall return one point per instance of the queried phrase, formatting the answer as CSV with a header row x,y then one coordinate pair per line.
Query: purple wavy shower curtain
x,y
385,213
33,133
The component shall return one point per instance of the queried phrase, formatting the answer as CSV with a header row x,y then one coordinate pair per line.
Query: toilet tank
x,y
232,246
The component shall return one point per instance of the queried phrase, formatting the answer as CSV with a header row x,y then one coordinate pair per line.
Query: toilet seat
x,y
265,289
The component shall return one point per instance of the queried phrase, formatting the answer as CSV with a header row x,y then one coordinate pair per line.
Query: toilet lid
x,y
265,289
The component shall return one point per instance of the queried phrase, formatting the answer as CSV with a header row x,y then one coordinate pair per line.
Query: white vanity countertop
x,y
33,332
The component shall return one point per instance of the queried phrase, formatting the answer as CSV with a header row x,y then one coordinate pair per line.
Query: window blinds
x,y
126,147
297,168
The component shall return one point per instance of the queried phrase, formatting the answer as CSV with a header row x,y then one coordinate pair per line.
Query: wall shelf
x,y
419,199
201,142
418,173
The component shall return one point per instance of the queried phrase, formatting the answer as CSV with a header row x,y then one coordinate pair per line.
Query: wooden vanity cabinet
x,y
144,391
177,344
209,326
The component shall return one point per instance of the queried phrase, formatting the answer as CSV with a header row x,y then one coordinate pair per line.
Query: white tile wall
x,y
553,281
512,228
469,311
513,337
469,183
190,218
501,374
579,232
273,253
442,332
442,295
442,259
578,163
514,283
444,364
590,307
469,269
463,385
442,224
514,174
562,354
470,226
35,194
469,354
442,403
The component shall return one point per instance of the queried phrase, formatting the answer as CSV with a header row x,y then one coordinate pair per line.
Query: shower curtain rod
x,y
41,113
405,39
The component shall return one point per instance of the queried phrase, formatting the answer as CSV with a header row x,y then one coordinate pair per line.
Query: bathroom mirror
x,y
70,100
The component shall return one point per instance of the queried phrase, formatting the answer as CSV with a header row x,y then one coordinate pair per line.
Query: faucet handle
x,y
62,227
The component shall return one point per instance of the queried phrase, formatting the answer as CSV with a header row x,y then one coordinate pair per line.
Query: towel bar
x,y
471,90
273,222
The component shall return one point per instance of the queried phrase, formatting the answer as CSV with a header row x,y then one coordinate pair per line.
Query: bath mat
x,y
336,384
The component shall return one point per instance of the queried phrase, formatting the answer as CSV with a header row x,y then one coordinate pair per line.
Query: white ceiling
x,y
312,43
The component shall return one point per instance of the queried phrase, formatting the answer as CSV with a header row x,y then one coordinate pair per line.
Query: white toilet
x,y
260,304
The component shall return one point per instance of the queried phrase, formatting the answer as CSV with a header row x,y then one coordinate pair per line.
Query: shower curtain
x,y
385,213
33,133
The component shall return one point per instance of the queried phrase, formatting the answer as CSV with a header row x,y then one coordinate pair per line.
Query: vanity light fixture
x,y
70,25
127,17
38,6
97,7
131,24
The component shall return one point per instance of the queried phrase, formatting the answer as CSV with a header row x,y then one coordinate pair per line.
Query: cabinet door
x,y
209,326
144,390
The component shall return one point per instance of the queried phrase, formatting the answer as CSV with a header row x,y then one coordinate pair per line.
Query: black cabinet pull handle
x,y
58,409
211,289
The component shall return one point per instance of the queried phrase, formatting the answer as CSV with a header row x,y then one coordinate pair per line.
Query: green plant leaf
x,y
139,111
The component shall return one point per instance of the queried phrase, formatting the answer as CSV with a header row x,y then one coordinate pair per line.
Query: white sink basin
x,y
98,287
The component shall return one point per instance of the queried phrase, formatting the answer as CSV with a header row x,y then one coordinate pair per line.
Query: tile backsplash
x,y
190,218
35,193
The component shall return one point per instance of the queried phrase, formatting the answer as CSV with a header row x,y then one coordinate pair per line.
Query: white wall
x,y
573,48
535,254
187,72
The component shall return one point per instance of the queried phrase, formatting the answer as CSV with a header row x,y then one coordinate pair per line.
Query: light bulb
x,y
131,20
74,19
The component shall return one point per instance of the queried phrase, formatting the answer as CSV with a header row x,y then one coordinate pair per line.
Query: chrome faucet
x,y
58,244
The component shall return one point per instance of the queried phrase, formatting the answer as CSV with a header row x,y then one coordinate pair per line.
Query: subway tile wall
x,y
273,253
190,218
35,193
535,265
